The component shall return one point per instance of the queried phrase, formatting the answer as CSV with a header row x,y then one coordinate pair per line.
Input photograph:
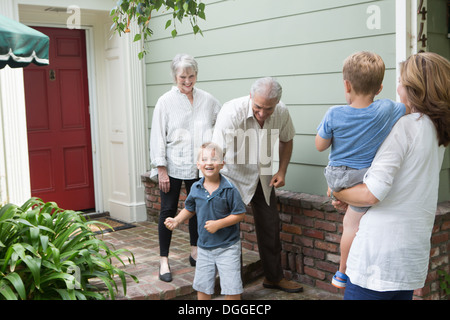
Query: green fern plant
x,y
48,253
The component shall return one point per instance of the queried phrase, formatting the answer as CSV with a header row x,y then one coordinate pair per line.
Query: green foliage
x,y
47,253
141,12
444,281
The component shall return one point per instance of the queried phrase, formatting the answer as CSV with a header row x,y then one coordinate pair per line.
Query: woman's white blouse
x,y
179,129
392,247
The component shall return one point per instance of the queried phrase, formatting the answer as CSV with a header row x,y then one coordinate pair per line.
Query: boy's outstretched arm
x,y
172,223
321,143
213,225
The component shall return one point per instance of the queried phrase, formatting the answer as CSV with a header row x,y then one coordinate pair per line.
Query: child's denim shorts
x,y
343,177
227,261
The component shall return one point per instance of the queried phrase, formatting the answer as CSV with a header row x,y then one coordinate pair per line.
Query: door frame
x,y
93,110
406,32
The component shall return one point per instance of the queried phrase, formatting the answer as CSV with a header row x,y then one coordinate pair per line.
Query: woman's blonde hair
x,y
426,78
365,71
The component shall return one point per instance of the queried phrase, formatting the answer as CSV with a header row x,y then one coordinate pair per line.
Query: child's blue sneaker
x,y
341,282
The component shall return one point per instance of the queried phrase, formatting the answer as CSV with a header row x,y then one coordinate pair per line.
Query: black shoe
x,y
192,261
166,277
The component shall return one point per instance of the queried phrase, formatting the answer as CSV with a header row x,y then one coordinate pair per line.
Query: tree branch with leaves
x,y
140,11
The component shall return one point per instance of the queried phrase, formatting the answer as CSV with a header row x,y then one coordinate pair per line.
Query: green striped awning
x,y
21,45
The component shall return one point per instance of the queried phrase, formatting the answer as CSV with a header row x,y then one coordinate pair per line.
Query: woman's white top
x,y
392,246
178,130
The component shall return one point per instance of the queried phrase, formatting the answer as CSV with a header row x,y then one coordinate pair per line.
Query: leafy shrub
x,y
49,253
444,281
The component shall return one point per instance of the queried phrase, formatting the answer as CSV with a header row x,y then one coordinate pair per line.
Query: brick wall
x,y
310,232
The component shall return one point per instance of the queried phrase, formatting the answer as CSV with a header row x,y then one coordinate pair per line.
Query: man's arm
x,y
285,153
224,124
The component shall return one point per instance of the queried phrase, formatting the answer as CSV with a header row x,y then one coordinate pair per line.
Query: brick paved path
x,y
142,240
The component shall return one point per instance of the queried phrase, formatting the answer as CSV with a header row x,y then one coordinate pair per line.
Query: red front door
x,y
59,135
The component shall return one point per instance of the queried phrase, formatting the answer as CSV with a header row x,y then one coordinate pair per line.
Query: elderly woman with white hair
x,y
183,120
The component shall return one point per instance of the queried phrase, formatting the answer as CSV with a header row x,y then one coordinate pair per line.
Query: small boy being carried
x,y
355,132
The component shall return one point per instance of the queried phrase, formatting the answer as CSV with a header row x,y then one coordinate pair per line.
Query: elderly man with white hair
x,y
248,128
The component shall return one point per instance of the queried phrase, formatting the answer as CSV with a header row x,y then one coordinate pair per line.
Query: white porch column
x,y
14,165
126,138
406,31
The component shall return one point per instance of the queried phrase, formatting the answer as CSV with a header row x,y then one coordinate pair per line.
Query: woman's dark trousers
x,y
169,207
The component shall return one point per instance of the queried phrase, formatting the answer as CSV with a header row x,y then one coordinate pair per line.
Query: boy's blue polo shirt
x,y
225,200
358,133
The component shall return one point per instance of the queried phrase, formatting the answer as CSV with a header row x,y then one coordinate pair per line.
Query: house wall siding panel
x,y
302,43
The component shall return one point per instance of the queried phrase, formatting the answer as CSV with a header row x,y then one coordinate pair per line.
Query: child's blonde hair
x,y
211,146
365,71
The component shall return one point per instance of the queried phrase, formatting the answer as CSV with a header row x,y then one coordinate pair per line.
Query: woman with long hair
x,y
389,256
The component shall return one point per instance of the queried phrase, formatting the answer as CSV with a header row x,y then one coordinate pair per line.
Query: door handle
x,y
52,75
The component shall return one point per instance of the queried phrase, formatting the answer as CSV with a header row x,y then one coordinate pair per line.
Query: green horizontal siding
x,y
302,43
439,43
310,175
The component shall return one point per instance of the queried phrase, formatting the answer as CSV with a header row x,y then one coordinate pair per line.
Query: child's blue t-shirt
x,y
358,133
225,200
